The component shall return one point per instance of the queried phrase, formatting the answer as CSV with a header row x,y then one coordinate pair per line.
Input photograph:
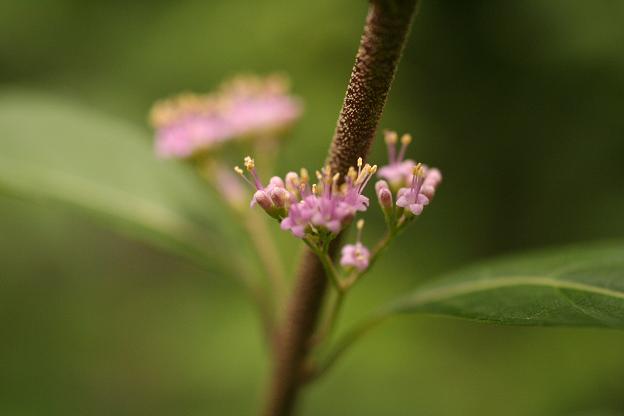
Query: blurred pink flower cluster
x,y
246,106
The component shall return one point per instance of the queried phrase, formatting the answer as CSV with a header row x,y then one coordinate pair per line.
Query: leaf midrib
x,y
438,294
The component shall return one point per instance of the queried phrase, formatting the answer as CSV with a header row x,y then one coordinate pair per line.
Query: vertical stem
x,y
387,25
381,45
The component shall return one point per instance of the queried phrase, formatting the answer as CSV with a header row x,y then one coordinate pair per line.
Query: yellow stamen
x,y
418,170
406,139
351,173
373,169
304,175
360,224
390,136
249,163
314,189
238,170
359,162
366,170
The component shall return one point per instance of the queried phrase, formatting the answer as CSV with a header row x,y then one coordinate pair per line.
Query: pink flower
x,y
422,188
398,171
356,255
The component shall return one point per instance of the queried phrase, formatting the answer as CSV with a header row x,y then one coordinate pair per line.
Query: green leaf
x,y
53,149
574,286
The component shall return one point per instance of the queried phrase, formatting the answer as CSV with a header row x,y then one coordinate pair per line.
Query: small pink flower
x,y
356,255
414,197
398,171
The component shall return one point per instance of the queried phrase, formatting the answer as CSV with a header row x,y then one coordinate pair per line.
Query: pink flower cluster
x,y
319,209
414,184
244,107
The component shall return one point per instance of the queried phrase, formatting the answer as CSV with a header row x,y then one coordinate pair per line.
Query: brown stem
x,y
381,45
385,32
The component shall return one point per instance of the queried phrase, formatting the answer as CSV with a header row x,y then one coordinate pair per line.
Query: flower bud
x,y
384,195
385,198
279,196
261,198
276,181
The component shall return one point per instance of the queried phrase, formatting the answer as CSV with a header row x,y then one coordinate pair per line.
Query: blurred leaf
x,y
53,149
578,286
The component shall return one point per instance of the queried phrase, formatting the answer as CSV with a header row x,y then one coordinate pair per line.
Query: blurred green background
x,y
519,103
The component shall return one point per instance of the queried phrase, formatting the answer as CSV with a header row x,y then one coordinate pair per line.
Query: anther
x,y
249,163
390,136
360,224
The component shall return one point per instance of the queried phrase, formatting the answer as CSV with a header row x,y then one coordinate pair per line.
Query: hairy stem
x,y
381,45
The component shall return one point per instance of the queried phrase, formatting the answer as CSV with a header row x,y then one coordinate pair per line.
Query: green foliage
x,y
578,286
57,150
